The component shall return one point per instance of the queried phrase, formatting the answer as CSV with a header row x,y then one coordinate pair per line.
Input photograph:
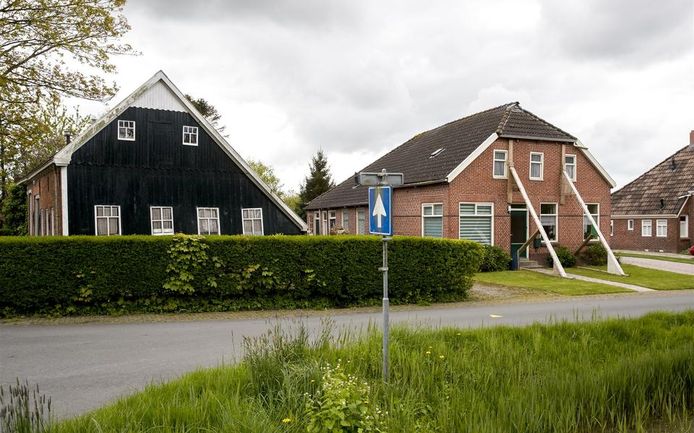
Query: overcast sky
x,y
358,78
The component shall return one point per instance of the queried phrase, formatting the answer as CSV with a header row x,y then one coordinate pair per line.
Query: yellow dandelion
x,y
441,356
428,352
286,421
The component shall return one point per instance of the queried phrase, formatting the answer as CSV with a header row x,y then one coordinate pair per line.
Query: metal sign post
x,y
380,222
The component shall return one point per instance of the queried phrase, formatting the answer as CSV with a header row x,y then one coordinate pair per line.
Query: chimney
x,y
68,138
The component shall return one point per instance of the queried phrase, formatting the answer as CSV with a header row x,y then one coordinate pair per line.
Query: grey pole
x,y
386,306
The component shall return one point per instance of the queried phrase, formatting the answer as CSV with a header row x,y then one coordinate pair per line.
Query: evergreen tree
x,y
317,182
14,212
208,111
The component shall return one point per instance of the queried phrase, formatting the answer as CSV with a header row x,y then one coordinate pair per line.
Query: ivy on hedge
x,y
99,275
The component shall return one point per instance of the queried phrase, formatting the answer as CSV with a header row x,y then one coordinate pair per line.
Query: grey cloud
x,y
626,31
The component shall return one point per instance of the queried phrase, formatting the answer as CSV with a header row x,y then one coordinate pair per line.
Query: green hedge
x,y
97,275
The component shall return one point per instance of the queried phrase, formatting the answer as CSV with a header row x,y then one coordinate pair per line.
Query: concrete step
x,y
529,264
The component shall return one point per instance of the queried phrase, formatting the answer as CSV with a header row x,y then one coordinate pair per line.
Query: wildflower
x,y
428,352
441,356
286,421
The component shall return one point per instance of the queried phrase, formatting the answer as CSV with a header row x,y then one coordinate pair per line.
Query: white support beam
x,y
613,266
558,268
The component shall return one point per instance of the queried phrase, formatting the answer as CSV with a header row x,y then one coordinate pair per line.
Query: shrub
x,y
565,256
100,275
595,255
495,259
691,251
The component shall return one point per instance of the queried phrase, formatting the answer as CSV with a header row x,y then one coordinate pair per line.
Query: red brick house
x,y
655,212
466,179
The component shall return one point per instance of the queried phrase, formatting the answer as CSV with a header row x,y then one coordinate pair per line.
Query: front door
x,y
519,228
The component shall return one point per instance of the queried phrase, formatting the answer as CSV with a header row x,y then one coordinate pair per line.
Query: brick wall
x,y
45,185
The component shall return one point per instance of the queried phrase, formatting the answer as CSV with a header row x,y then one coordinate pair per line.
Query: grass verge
x,y
654,257
604,376
544,283
644,277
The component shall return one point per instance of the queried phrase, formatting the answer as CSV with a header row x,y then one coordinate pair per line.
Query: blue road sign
x,y
380,222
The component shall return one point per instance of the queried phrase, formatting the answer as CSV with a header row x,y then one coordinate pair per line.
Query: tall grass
x,y
604,376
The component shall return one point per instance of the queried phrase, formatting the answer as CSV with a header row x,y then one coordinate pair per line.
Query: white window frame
x,y
596,216
125,125
611,227
345,219
332,220
630,224
477,204
573,164
191,133
361,211
252,219
197,219
432,205
108,225
495,160
542,166
684,234
161,231
316,219
660,223
556,219
645,234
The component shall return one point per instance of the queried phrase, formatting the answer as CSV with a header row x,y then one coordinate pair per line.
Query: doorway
x,y
519,228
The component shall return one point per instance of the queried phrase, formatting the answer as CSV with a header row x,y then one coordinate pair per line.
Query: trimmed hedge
x,y
100,275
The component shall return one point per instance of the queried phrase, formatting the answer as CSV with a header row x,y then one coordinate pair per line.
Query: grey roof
x,y
668,181
458,139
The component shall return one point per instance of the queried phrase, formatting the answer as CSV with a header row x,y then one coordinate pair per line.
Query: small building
x,y
153,165
655,212
468,179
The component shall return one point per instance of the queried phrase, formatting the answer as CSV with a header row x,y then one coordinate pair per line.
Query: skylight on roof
x,y
435,153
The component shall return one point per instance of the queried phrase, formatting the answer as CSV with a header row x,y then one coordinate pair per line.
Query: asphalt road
x,y
85,366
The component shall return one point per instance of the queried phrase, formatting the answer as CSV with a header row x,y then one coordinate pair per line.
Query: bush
x,y
97,275
595,255
495,259
691,251
565,256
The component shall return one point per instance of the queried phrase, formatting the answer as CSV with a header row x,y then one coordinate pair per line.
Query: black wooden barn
x,y
153,165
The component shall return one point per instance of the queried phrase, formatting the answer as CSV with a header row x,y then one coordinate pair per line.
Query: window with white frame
x,y
107,219
208,220
500,157
570,166
537,162
661,228
588,229
126,130
332,220
345,219
361,222
611,227
432,220
549,217
252,221
161,218
630,224
684,226
477,222
316,223
646,228
190,135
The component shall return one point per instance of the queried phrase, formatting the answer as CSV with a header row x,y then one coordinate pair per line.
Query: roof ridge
x,y
651,169
504,119
541,120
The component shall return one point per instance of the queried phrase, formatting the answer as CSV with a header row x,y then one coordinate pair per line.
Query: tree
x,y
317,182
14,211
208,111
267,174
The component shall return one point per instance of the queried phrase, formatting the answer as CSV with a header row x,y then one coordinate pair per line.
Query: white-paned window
x,y
345,219
630,224
252,221
316,223
500,157
208,220
611,227
324,225
190,135
432,220
588,229
684,226
646,228
549,217
332,220
570,166
537,162
162,220
361,221
661,228
477,222
107,219
126,130
51,220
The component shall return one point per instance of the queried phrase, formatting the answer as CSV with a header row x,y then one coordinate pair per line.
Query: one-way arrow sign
x,y
379,210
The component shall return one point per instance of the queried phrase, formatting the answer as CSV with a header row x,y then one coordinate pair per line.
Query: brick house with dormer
x,y
465,180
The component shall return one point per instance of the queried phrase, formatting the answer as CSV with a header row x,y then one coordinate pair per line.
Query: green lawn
x,y
614,376
664,258
544,283
644,277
